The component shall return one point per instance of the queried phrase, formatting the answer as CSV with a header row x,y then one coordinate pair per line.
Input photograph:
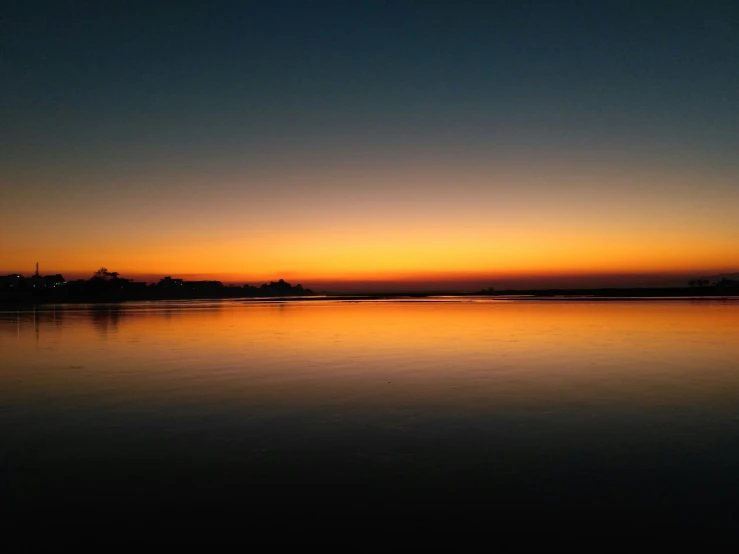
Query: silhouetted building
x,y
12,281
109,287
36,282
53,281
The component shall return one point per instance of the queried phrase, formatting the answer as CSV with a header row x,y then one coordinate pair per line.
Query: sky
x,y
360,145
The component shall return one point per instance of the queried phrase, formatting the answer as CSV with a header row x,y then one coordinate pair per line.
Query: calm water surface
x,y
521,410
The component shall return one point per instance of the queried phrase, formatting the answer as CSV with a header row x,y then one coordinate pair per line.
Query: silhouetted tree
x,y
104,274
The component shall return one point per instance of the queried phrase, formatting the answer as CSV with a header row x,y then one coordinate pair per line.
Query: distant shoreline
x,y
611,294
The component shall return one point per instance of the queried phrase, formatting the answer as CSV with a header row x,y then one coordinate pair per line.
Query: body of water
x,y
617,413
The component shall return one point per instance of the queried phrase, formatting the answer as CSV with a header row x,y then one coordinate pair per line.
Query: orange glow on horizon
x,y
428,232
409,260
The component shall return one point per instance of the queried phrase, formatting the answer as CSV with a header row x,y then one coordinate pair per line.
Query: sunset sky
x,y
351,144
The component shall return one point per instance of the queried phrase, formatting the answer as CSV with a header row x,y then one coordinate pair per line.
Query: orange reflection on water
x,y
370,354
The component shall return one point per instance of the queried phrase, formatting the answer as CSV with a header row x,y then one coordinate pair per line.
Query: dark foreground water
x,y
434,413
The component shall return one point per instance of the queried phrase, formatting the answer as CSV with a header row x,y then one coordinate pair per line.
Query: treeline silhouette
x,y
109,286
696,287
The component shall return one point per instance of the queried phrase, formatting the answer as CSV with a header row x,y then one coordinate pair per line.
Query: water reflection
x,y
13,324
575,399
105,319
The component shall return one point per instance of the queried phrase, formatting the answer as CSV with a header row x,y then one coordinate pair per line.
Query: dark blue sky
x,y
92,77
249,97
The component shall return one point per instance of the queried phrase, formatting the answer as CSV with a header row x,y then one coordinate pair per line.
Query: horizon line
x,y
451,282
